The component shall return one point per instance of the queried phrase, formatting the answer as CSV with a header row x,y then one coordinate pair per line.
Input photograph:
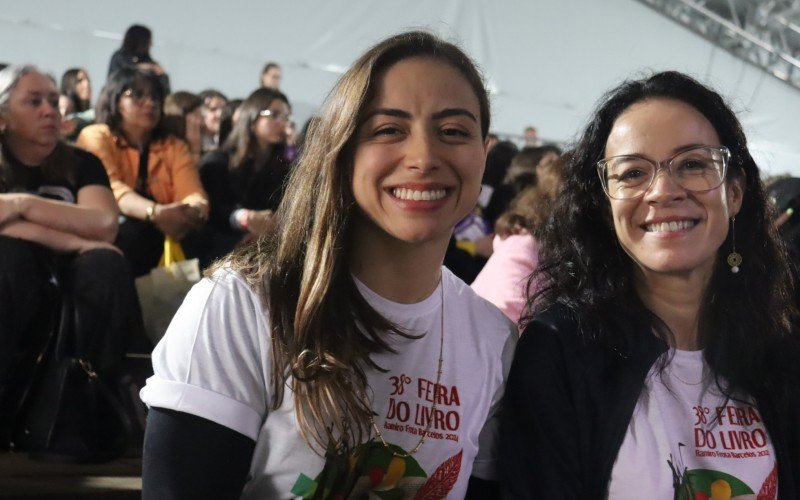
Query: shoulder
x,y
214,160
94,133
475,315
89,166
171,144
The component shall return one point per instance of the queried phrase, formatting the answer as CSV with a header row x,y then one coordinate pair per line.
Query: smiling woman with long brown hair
x,y
338,357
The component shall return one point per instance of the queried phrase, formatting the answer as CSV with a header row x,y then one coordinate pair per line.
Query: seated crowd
x,y
634,279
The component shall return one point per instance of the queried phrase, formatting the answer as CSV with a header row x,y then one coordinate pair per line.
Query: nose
x,y
421,152
664,188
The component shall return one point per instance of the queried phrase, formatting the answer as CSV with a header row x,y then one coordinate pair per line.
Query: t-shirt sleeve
x,y
91,171
212,360
485,465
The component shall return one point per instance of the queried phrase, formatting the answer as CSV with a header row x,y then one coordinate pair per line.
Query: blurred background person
x,y
228,118
271,76
58,219
152,174
182,119
75,102
530,137
522,173
213,102
135,52
245,178
504,279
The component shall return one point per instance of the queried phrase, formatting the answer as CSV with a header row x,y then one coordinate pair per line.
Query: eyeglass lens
x,y
698,169
139,96
276,115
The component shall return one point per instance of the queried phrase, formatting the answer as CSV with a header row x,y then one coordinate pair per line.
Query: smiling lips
x,y
671,226
418,194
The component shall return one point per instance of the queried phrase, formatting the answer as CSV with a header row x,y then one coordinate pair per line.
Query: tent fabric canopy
x,y
546,62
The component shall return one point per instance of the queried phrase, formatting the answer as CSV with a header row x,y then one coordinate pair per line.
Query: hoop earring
x,y
734,258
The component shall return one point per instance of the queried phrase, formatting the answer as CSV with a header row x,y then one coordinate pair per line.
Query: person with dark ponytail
x,y
336,357
660,361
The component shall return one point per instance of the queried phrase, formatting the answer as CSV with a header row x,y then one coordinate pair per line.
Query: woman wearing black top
x,y
666,311
245,179
58,219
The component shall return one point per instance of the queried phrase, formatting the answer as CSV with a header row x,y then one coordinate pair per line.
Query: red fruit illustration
x,y
769,489
442,480
700,496
376,475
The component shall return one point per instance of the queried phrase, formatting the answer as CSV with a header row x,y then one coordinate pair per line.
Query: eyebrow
x,y
675,151
399,113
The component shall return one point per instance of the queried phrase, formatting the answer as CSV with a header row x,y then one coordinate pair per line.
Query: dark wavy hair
x,y
745,318
122,80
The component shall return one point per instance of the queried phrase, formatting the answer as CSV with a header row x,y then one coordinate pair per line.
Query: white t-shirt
x,y
684,431
214,362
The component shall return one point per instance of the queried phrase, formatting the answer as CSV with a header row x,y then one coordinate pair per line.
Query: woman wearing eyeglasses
x,y
246,177
152,174
661,362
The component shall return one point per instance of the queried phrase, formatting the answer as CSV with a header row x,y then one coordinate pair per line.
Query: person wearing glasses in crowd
x,y
245,179
661,362
153,176
338,358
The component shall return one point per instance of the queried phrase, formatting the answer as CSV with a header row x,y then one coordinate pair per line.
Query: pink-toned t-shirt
x,y
504,278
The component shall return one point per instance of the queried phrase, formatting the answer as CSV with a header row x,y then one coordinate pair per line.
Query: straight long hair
x,y
323,330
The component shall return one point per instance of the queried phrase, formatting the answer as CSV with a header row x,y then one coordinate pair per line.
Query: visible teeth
x,y
666,227
411,194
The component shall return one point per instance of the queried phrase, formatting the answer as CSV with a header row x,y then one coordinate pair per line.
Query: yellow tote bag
x,y
162,291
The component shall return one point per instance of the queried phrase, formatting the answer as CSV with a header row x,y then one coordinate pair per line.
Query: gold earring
x,y
734,258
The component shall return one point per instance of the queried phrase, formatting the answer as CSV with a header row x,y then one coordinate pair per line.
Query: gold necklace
x,y
435,395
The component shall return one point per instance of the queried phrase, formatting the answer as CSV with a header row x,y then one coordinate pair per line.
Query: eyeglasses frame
x,y
664,164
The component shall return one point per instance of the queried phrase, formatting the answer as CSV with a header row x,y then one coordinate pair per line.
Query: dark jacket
x,y
568,404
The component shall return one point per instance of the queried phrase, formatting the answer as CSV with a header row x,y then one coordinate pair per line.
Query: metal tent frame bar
x,y
765,33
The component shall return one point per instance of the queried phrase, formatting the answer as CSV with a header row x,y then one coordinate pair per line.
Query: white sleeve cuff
x,y
203,403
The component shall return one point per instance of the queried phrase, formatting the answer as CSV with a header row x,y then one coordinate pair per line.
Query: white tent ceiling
x,y
546,61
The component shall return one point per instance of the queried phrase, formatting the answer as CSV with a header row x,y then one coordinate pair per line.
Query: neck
x,y
136,137
28,154
263,150
676,299
397,271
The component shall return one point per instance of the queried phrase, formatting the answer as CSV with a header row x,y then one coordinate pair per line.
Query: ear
x,y
734,190
3,122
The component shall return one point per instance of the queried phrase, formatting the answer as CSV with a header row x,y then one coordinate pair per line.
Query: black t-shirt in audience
x,y
88,170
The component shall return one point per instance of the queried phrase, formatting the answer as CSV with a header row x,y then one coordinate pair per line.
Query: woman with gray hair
x,y
58,218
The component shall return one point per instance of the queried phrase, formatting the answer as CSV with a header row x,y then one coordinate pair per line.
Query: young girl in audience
x,y
182,119
245,179
76,86
662,363
57,215
152,173
504,280
75,102
337,357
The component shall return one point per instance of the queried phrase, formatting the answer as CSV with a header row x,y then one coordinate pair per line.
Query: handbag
x,y
162,291
72,415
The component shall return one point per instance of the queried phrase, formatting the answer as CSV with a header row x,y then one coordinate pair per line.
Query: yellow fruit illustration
x,y
394,472
720,490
